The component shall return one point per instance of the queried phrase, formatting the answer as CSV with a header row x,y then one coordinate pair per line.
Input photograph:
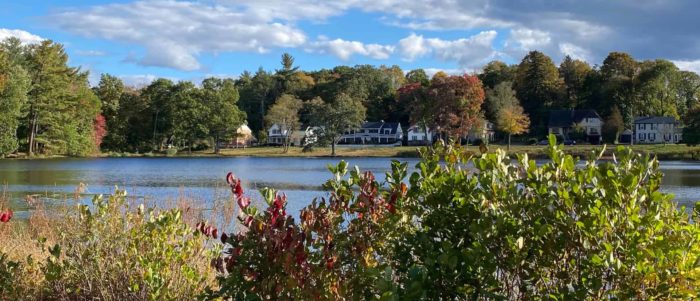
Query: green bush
x,y
9,273
171,152
517,231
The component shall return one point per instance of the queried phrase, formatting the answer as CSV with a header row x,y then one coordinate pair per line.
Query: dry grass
x,y
55,222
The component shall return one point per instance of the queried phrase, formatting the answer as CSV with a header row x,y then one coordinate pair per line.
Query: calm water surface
x,y
203,178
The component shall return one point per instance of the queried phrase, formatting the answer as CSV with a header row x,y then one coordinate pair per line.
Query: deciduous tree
x,y
512,120
691,132
498,97
613,126
334,118
285,113
458,101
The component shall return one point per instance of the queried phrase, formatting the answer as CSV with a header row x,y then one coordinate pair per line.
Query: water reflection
x,y
203,178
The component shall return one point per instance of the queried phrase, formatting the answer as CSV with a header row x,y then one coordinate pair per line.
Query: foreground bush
x,y
566,230
111,251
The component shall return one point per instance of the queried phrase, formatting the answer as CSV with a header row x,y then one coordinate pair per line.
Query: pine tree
x,y
14,86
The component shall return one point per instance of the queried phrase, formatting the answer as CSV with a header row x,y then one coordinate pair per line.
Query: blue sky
x,y
190,40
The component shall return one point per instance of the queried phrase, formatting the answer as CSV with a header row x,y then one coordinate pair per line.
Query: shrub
x,y
171,152
114,252
517,231
336,250
504,231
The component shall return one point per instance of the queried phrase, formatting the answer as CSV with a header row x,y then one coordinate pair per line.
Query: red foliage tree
x,y
100,129
457,102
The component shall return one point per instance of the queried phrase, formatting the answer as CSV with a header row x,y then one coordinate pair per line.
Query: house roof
x,y
566,118
381,125
655,119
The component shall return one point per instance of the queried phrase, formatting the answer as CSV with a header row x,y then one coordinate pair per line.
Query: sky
x,y
139,41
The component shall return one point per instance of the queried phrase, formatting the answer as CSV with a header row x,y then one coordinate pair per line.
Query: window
x,y
387,131
642,136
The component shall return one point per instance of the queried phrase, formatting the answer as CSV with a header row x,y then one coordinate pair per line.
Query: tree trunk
x,y
216,144
333,148
32,135
428,138
155,124
508,142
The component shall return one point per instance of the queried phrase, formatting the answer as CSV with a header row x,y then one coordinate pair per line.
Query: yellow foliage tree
x,y
513,121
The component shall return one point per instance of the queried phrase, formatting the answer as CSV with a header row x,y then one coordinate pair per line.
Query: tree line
x,y
50,108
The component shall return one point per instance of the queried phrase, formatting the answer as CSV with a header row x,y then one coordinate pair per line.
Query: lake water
x,y
203,178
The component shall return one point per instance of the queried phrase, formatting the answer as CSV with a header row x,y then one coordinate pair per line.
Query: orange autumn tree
x,y
457,102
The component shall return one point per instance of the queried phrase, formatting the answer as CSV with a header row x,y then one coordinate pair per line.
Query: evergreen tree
x,y
62,107
538,86
14,86
574,74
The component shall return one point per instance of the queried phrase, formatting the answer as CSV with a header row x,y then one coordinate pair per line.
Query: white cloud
x,y
175,33
90,53
574,51
431,71
528,39
25,37
693,66
138,80
344,50
469,52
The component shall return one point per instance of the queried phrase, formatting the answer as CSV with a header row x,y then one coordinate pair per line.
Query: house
x,y
374,133
485,132
655,129
305,137
567,122
417,136
244,137
277,134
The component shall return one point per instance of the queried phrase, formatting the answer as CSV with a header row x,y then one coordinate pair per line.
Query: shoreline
x,y
662,152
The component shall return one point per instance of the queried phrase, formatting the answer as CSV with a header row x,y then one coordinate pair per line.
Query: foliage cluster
x,y
52,110
110,250
504,230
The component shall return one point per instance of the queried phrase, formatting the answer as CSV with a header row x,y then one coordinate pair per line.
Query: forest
x,y
50,108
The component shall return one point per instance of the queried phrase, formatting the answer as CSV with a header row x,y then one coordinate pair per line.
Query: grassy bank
x,y
663,152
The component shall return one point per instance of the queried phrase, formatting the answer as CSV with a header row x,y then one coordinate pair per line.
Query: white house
x,y
564,122
485,132
417,136
276,134
302,138
655,129
374,133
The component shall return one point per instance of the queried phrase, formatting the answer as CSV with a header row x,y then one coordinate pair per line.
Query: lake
x,y
203,178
